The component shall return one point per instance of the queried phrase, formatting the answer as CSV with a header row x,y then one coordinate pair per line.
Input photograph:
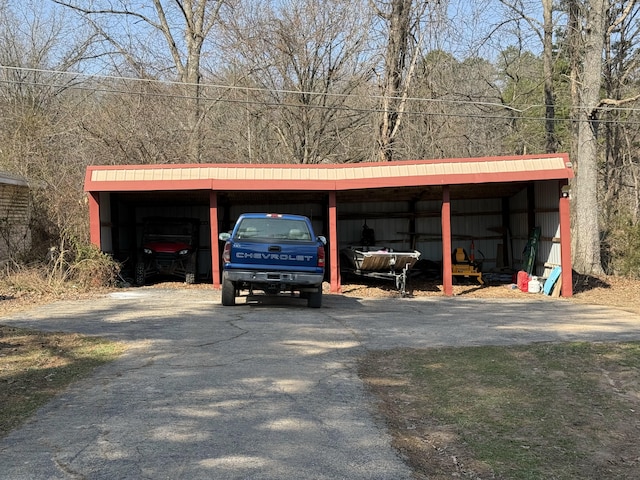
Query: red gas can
x,y
523,281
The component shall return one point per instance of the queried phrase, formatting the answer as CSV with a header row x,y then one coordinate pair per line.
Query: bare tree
x,y
621,168
549,97
588,81
524,11
184,25
447,98
306,59
590,23
404,23
40,52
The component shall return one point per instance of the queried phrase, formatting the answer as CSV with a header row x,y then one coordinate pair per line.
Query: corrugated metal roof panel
x,y
455,170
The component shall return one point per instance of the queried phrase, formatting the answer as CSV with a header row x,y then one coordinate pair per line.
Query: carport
x,y
429,204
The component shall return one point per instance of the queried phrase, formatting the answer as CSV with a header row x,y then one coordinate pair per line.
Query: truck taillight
x,y
321,257
226,253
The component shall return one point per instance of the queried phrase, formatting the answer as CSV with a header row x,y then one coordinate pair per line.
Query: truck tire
x,y
228,293
139,274
314,300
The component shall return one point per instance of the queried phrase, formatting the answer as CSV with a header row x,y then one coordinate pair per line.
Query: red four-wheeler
x,y
169,247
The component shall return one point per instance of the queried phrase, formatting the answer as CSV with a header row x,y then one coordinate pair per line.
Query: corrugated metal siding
x,y
429,230
373,208
383,217
518,223
547,195
14,203
549,253
479,220
106,224
15,214
519,201
389,220
548,218
315,211
389,232
476,220
519,237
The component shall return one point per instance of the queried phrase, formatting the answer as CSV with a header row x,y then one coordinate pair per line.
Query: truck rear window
x,y
270,228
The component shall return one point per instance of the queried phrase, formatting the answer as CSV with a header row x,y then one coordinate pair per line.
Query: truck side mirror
x,y
322,239
224,236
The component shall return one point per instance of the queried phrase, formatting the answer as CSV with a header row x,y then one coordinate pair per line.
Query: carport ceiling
x,y
431,192
155,198
396,194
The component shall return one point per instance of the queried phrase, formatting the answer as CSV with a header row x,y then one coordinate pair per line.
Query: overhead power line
x,y
84,86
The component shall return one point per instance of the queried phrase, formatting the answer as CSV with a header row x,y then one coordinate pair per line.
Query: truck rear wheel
x,y
140,275
228,293
314,300
190,276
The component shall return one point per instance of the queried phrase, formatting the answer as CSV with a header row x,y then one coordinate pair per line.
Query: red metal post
x,y
334,258
565,241
94,218
445,218
215,253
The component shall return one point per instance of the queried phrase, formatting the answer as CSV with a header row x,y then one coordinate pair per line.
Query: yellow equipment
x,y
462,266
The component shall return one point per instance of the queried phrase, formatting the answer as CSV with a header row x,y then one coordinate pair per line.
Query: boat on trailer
x,y
379,262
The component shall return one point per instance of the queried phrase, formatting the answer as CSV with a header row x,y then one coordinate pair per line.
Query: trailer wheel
x,y
228,293
401,281
314,300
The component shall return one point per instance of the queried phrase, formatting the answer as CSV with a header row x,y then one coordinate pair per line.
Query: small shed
x,y
429,205
15,215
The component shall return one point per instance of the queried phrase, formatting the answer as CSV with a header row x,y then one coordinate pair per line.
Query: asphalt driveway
x,y
265,390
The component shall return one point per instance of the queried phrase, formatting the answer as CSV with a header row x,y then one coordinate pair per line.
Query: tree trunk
x,y
551,140
395,62
587,258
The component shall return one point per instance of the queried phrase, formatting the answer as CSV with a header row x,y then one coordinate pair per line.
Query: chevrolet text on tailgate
x,y
273,253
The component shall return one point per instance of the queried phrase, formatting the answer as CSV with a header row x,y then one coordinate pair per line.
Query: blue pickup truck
x,y
273,253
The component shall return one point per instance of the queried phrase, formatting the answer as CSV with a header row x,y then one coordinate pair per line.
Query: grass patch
x,y
560,411
35,366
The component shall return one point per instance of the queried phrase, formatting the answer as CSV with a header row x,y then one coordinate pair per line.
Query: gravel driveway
x,y
264,390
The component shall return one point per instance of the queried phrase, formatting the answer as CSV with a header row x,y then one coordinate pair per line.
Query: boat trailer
x,y
379,262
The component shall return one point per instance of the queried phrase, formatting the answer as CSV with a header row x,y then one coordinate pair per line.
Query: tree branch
x,y
625,13
89,11
611,102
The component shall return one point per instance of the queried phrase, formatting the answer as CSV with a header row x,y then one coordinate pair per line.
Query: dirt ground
x,y
608,291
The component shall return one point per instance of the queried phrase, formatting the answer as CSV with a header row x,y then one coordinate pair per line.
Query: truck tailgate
x,y
296,256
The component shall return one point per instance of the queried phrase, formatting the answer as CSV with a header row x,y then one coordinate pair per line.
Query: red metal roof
x,y
337,177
